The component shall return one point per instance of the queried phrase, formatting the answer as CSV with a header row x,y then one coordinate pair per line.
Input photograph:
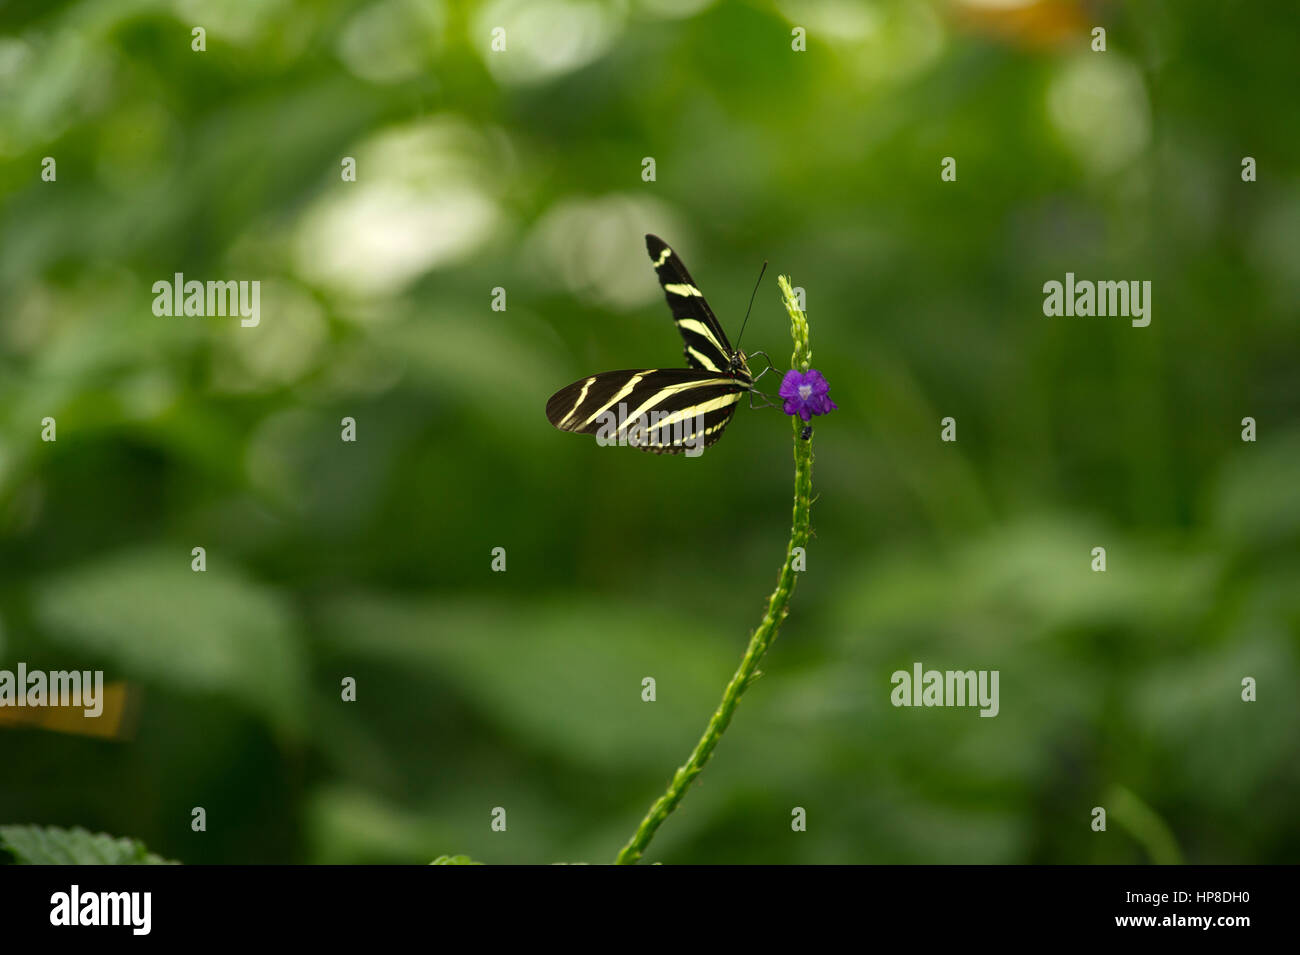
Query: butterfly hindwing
x,y
664,410
706,344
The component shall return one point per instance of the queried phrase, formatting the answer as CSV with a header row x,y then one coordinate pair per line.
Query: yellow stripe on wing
x,y
708,363
704,407
668,391
622,393
686,291
586,385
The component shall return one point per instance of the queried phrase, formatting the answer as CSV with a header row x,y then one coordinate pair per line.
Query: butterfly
x,y
663,410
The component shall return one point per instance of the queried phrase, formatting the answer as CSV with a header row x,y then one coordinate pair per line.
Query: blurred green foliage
x,y
522,170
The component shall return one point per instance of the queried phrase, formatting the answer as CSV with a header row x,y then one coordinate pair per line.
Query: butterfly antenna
x,y
751,304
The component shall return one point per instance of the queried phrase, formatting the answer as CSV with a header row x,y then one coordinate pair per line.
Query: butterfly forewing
x,y
664,410
707,347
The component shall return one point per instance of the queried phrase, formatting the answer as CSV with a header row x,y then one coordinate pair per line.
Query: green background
x,y
522,170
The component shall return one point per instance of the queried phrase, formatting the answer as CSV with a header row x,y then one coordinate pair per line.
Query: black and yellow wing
x,y
663,410
707,347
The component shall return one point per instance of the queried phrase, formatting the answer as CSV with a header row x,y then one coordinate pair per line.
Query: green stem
x,y
1145,825
778,606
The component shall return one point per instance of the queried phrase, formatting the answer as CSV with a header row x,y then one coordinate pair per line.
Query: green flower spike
x,y
777,608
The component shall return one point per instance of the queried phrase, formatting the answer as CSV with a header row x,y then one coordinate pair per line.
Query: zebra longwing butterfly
x,y
663,410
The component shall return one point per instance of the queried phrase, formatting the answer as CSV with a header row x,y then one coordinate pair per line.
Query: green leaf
x,y
1256,504
50,845
155,619
454,860
565,675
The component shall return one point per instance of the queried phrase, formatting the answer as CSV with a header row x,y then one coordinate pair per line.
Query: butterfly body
x,y
663,410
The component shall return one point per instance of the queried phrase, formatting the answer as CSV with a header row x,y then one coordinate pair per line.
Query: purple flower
x,y
805,393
